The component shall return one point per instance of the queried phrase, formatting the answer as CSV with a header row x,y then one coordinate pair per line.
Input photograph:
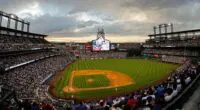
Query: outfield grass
x,y
90,81
144,73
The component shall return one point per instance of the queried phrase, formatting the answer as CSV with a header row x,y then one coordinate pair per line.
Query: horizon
x,y
90,38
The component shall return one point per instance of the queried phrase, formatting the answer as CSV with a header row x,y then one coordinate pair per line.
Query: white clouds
x,y
134,15
33,11
140,17
85,17
77,30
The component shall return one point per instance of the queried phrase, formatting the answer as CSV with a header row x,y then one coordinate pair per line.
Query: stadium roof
x,y
22,32
178,32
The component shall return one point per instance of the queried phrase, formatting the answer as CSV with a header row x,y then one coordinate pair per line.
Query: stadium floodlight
x,y
12,16
162,25
16,16
170,24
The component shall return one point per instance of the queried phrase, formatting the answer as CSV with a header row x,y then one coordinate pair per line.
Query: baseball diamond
x,y
84,79
98,79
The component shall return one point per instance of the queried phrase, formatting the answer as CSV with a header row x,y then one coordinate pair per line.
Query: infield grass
x,y
90,81
144,73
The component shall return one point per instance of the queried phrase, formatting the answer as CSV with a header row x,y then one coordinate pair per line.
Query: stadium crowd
x,y
173,59
32,92
26,79
13,43
25,40
13,60
9,47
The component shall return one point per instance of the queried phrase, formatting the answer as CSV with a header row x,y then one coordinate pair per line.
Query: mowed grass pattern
x,y
90,81
144,73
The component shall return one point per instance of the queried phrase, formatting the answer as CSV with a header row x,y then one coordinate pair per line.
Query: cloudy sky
x,y
123,20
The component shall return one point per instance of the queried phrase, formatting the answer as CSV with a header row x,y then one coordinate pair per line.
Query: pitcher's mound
x,y
90,80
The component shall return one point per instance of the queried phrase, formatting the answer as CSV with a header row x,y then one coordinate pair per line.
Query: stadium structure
x,y
98,75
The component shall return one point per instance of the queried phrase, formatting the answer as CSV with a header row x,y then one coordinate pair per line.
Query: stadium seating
x,y
13,60
172,52
30,80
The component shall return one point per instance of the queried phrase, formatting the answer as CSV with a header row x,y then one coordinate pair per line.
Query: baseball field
x,y
99,78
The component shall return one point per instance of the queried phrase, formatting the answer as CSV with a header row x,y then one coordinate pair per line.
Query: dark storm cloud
x,y
125,28
47,23
85,24
120,17
57,24
155,4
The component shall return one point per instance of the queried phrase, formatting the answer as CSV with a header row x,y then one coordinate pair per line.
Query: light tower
x,y
16,20
160,27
